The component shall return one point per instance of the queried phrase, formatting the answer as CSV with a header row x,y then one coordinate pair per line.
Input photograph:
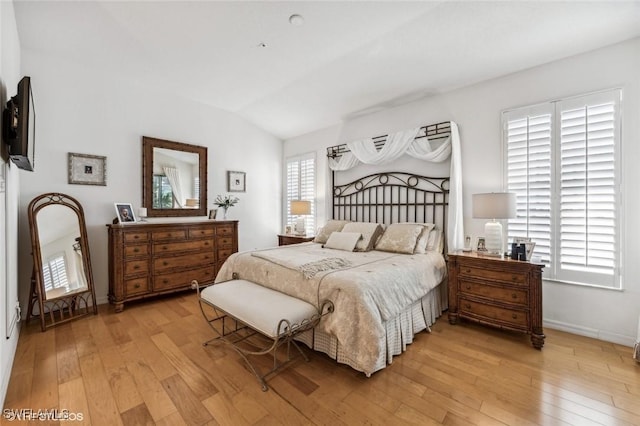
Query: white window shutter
x,y
301,185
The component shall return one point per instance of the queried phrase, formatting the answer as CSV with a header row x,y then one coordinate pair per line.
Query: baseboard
x,y
619,339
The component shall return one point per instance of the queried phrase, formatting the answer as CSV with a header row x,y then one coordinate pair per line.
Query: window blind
x,y
561,161
301,185
55,273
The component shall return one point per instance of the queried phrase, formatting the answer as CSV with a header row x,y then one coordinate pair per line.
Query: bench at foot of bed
x,y
240,309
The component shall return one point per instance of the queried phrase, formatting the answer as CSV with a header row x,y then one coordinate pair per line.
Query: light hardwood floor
x,y
147,365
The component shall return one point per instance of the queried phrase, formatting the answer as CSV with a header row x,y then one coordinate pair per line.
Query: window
x,y
55,272
162,193
562,162
301,185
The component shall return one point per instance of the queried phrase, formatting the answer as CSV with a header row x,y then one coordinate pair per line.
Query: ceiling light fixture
x,y
296,20
262,44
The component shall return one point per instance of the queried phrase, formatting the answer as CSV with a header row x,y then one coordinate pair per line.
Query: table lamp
x,y
494,205
300,208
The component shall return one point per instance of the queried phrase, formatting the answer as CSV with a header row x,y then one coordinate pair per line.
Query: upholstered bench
x,y
257,309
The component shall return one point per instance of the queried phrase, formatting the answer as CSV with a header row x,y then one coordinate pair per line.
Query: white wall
x,y
607,314
9,187
85,110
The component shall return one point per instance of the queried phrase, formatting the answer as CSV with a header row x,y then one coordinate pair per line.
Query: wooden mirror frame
x,y
148,144
66,307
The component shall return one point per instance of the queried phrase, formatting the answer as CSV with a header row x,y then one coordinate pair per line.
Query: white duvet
x,y
376,287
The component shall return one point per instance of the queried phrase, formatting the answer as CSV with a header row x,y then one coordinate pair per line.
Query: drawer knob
x,y
468,286
468,271
165,263
136,250
206,243
136,285
136,267
514,278
165,281
164,247
514,316
136,237
467,306
514,296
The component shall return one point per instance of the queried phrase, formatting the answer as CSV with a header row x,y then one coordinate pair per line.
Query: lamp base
x,y
300,227
493,238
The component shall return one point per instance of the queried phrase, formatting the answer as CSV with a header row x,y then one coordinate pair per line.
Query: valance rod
x,y
432,131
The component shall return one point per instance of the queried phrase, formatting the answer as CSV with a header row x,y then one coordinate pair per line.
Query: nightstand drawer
x,y
491,313
516,296
491,274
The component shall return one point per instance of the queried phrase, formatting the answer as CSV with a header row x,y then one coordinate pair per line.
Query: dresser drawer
x,y
183,279
135,267
162,264
201,232
223,254
490,313
196,245
174,234
516,296
136,250
224,242
490,274
136,286
224,230
135,237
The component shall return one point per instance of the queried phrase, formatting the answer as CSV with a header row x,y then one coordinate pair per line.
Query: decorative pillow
x,y
423,238
370,233
343,240
436,241
400,238
326,230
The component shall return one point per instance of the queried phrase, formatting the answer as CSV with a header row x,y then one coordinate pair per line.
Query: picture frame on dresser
x,y
124,212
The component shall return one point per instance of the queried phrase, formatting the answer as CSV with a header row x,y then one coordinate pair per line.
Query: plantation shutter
x,y
562,161
301,185
55,272
528,135
588,182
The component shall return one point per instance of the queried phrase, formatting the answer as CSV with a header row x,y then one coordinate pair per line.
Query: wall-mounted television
x,y
19,126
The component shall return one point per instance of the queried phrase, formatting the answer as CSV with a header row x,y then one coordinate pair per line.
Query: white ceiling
x,y
347,58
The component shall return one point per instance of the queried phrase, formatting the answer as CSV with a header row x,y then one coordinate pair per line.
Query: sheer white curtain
x,y
173,175
81,279
404,142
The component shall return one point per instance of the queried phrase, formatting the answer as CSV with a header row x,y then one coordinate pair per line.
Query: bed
x,y
383,295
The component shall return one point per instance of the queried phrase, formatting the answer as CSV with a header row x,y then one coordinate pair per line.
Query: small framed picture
x,y
85,169
481,244
236,181
125,212
213,213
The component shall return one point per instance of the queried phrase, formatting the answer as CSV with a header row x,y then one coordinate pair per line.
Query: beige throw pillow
x,y
370,233
328,229
343,240
400,238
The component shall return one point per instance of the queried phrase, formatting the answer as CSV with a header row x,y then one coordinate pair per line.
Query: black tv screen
x,y
19,129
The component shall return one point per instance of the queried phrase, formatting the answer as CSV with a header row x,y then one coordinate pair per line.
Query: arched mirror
x,y
62,281
174,178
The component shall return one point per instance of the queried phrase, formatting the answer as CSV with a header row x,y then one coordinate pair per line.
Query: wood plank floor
x,y
147,365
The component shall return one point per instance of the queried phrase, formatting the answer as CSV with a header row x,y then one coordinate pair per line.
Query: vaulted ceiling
x,y
347,57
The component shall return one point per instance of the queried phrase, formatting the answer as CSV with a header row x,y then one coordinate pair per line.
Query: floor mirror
x,y
61,282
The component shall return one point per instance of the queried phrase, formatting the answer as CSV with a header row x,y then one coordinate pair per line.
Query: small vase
x,y
224,213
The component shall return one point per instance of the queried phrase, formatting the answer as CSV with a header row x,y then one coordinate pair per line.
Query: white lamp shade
x,y
300,207
142,212
494,205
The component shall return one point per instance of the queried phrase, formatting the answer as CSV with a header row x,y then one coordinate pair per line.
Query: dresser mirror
x,y
62,281
174,178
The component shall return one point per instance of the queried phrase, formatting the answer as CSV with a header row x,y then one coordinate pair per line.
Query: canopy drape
x,y
405,142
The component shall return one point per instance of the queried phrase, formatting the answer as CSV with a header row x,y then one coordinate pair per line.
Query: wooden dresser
x,y
287,239
498,292
150,258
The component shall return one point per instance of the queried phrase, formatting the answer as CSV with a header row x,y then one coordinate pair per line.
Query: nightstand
x,y
285,240
501,293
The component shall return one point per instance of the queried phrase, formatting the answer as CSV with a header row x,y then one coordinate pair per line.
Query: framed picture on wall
x,y
236,181
85,169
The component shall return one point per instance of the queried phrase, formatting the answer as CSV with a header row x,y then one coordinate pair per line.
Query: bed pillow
x,y
370,233
400,238
423,238
343,241
436,241
326,230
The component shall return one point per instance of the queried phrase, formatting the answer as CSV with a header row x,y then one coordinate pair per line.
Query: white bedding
x,y
377,287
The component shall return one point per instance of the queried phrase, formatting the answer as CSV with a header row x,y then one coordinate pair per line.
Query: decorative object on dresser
x,y
62,279
151,258
225,203
85,169
494,205
287,239
300,208
125,212
503,293
236,181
